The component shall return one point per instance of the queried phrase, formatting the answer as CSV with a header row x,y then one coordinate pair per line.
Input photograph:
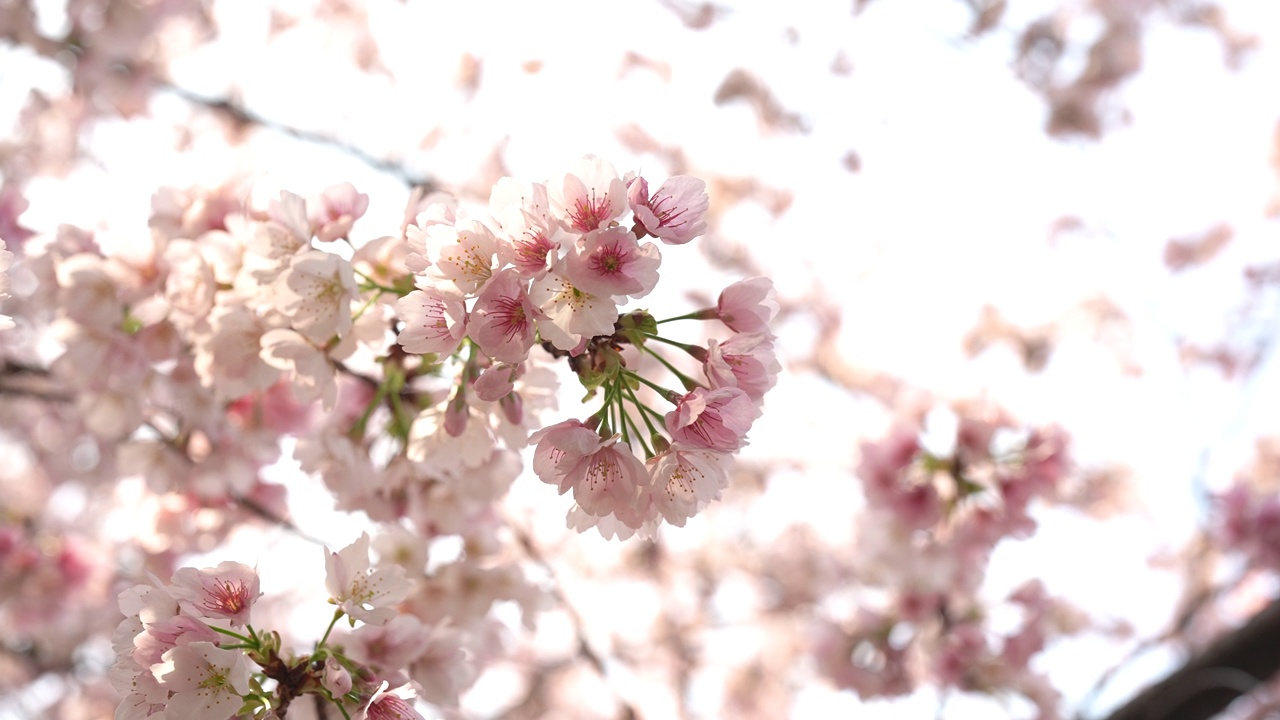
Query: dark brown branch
x,y
1232,666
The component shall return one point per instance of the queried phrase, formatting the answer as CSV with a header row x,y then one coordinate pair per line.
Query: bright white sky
x,y
951,211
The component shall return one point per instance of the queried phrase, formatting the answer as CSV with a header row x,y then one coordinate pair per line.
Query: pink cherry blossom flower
x,y
568,439
150,645
588,197
714,419
311,373
336,679
748,305
441,212
362,593
335,210
605,478
522,213
435,320
389,705
686,479
6,260
227,355
390,647
675,212
227,591
610,262
572,314
502,320
496,382
743,361
315,293
465,254
207,682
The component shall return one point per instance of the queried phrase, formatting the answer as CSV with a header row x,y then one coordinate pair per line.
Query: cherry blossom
x,y
464,254
360,592
315,293
335,210
587,197
748,306
713,419
6,260
226,591
572,314
676,210
686,479
389,705
207,682
502,321
612,262
744,361
435,320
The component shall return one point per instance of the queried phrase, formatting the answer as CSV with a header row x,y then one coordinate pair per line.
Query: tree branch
x,y
1232,666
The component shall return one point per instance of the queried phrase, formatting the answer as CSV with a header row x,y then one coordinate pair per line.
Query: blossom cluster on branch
x,y
429,354
187,648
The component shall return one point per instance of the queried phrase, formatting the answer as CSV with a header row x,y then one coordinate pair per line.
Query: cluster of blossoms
x,y
551,264
420,347
188,650
946,509
1247,520
429,351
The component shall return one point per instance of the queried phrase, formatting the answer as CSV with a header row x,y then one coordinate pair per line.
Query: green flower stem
x,y
337,614
688,382
670,396
374,284
367,304
627,419
357,430
643,414
699,353
401,421
236,635
704,314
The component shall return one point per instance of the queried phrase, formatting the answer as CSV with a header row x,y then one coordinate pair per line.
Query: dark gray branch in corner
x,y
1234,665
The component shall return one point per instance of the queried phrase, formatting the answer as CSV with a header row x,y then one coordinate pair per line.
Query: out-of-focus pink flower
x,y
334,211
748,306
6,259
389,705
675,213
311,372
